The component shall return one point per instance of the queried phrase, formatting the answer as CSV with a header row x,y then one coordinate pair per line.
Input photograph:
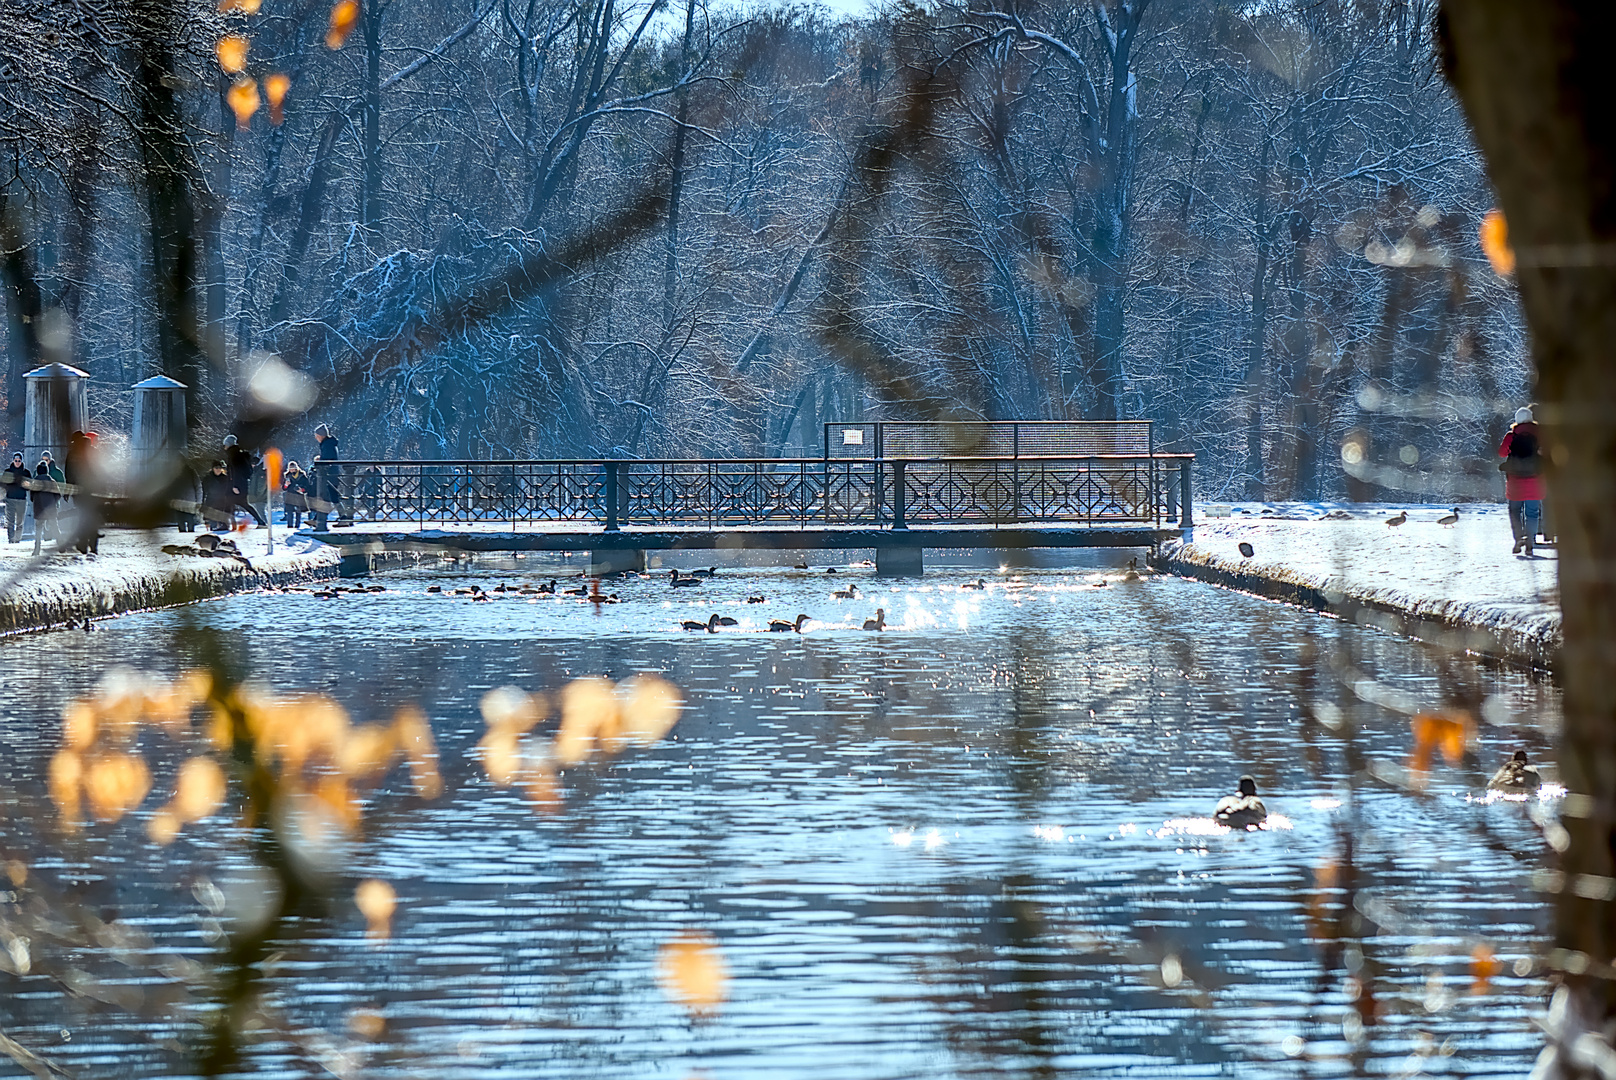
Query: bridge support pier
x,y
607,563
906,561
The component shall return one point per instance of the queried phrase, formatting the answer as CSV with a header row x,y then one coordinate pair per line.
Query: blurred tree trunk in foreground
x,y
1531,78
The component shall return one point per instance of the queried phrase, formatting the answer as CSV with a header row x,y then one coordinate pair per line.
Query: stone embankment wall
x,y
130,575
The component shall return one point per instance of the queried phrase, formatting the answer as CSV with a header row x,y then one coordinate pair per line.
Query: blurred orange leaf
x,y
275,88
376,901
512,708
199,789
1495,243
66,776
652,708
115,784
1448,731
1484,968
693,973
344,17
590,714
78,726
232,53
246,7
243,99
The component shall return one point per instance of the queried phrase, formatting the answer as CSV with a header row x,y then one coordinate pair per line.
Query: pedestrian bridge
x,y
895,488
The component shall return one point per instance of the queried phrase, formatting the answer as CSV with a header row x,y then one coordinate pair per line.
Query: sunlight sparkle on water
x,y
1205,826
1545,793
1326,804
1052,833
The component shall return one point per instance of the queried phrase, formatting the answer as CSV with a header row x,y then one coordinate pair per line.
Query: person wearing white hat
x,y
1523,484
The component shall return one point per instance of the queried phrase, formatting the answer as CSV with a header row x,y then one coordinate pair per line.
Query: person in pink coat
x,y
1523,480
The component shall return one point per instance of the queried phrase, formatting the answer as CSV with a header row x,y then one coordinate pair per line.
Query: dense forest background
x,y
562,228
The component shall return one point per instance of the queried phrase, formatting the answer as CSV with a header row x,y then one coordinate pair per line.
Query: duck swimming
x,y
1515,775
711,625
849,593
1242,811
680,582
879,622
780,626
979,584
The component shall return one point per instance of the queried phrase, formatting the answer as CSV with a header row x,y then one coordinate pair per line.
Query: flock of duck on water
x,y
1245,810
1240,811
679,579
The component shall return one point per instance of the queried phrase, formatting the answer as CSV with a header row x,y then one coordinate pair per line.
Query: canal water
x,y
975,844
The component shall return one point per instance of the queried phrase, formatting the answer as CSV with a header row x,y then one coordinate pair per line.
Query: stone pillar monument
x,y
56,407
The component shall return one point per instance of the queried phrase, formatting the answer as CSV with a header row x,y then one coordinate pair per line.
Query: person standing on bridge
x,y
327,479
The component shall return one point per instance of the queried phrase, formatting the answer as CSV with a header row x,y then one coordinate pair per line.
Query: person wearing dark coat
x,y
327,480
296,487
45,494
239,466
17,480
219,498
1523,485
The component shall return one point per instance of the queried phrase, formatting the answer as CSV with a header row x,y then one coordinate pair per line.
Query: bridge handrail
x,y
816,462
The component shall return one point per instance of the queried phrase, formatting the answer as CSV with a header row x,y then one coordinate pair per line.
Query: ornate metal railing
x,y
1097,489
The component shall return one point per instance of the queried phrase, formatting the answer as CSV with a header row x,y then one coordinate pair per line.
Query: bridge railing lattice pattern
x,y
1097,489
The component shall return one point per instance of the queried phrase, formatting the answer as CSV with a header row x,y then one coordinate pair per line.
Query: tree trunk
x,y
308,218
1531,77
1256,380
370,206
1113,212
214,204
23,309
169,169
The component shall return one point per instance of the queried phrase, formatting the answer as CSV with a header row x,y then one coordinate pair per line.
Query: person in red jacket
x,y
1523,482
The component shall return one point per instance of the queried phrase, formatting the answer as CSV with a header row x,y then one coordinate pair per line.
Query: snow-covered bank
x,y
132,573
1458,585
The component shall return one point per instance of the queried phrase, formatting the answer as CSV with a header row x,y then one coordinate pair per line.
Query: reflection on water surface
x,y
976,844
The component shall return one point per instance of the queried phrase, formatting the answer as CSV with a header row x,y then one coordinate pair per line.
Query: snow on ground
x,y
1437,579
131,573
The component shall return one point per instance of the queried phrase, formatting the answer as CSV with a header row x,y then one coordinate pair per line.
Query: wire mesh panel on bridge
x,y
988,438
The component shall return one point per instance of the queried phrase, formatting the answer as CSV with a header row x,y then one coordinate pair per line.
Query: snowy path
x,y
1458,584
132,573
